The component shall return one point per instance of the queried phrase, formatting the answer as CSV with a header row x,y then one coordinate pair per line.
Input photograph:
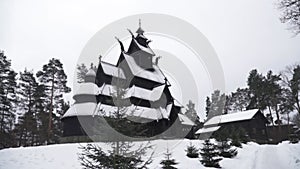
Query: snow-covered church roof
x,y
91,109
112,70
154,75
87,88
91,72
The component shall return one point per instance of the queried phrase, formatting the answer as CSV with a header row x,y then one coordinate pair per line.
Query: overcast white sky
x,y
245,34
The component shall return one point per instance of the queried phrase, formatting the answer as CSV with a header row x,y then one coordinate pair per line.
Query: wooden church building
x,y
134,89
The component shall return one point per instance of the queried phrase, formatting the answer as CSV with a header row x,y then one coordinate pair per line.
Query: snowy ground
x,y
64,156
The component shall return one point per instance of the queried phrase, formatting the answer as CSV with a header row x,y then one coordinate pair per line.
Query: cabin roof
x,y
226,118
207,130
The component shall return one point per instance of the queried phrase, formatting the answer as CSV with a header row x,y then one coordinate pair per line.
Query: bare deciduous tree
x,y
290,14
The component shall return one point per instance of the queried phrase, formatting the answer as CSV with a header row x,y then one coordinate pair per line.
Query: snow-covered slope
x,y
64,156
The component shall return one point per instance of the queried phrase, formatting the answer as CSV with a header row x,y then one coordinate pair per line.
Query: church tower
x,y
140,50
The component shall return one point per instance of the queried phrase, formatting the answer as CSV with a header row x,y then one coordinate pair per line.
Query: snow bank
x,y
64,156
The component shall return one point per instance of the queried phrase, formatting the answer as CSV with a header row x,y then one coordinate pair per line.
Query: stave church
x,y
132,96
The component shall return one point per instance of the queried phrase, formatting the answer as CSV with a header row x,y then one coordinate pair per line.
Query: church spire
x,y
140,30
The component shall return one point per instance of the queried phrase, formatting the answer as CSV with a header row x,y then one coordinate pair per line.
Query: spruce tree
x,y
226,150
239,100
168,162
53,77
217,104
191,112
192,151
93,156
209,155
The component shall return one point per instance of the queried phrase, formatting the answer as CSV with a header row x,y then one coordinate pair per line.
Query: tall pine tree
x,y
53,77
27,129
8,101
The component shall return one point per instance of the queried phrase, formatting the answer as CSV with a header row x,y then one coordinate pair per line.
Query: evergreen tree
x,y
26,129
223,136
265,92
42,116
191,112
217,104
225,150
207,106
93,156
168,162
239,100
53,77
257,90
209,155
8,101
295,88
273,92
192,151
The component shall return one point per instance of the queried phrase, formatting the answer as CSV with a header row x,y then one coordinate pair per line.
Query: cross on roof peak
x,y
140,30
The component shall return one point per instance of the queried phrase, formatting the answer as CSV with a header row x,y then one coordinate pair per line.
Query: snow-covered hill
x,y
64,156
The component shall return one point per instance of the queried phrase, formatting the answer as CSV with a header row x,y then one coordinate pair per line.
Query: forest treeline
x,y
278,95
31,104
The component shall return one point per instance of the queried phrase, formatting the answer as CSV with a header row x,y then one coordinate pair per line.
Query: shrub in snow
x,y
192,151
93,157
209,155
226,150
168,162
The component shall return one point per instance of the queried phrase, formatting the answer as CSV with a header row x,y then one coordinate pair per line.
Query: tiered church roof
x,y
145,86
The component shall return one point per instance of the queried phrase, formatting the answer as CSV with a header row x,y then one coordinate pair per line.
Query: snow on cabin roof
x,y
145,49
112,70
207,130
139,92
81,109
87,88
155,75
185,120
239,116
